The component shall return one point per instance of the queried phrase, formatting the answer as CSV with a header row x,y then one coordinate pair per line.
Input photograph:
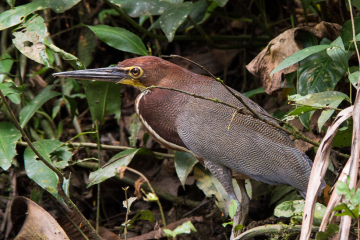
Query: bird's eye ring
x,y
135,72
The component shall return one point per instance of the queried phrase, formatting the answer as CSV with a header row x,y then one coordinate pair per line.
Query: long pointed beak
x,y
110,74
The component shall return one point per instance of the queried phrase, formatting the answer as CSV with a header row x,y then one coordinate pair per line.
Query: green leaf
x,y
15,16
61,6
298,56
121,159
73,105
301,110
353,78
5,65
296,208
103,97
186,227
332,229
209,184
86,46
323,99
279,192
318,73
134,129
103,14
221,2
347,33
9,136
37,170
232,208
29,110
12,91
322,236
173,17
120,39
29,39
197,14
143,7
228,223
337,53
147,215
184,163
254,92
343,137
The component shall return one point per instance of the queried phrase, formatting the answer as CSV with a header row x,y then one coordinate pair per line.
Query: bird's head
x,y
140,72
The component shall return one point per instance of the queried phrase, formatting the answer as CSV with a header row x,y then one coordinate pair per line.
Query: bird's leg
x,y
245,201
223,174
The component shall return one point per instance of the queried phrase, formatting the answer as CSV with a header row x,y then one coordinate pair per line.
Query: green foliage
x,y
9,136
295,210
103,97
184,163
29,110
30,37
120,39
331,230
134,129
186,227
119,160
10,90
6,63
349,207
51,150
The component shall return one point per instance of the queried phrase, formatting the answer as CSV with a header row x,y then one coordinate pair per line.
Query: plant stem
x,y
98,185
61,192
152,190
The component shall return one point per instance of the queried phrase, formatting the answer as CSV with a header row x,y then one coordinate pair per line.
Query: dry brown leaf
x,y
318,172
137,187
32,222
282,47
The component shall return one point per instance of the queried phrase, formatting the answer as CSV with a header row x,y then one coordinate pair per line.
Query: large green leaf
x,y
140,8
173,17
318,73
38,171
254,92
295,210
209,184
134,129
119,160
221,2
15,16
347,33
120,39
337,53
343,137
86,46
323,99
29,39
13,92
103,97
5,65
184,163
298,56
353,78
9,135
197,14
29,110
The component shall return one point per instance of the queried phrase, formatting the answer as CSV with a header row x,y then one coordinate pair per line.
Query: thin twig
x,y
61,192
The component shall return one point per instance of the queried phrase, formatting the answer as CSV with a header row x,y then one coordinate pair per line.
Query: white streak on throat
x,y
151,131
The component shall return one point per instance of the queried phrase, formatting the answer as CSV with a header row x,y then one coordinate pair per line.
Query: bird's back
x,y
250,146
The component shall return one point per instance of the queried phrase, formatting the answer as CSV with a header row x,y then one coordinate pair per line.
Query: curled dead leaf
x,y
137,186
282,47
121,171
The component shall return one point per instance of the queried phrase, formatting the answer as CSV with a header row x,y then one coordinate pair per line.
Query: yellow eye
x,y
135,72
